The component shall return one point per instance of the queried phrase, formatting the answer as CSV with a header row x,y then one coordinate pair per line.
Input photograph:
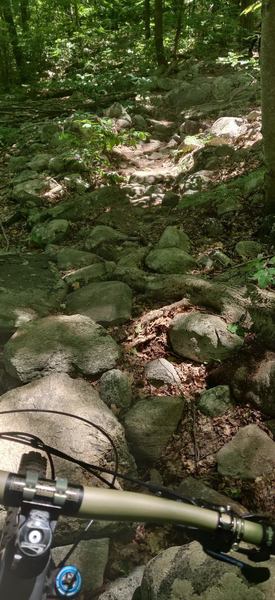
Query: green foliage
x,y
265,273
236,328
90,140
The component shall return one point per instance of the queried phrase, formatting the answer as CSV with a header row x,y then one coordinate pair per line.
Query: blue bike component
x,y
68,582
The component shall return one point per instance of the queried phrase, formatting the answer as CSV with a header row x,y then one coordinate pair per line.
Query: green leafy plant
x,y
265,273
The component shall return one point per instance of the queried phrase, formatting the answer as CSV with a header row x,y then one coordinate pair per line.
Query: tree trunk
x,y
25,15
179,10
6,9
147,16
160,52
268,99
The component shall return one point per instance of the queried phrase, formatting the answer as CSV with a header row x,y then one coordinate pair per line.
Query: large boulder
x,y
150,423
76,396
250,454
30,287
256,383
188,573
203,337
124,587
59,344
169,260
107,302
60,392
229,128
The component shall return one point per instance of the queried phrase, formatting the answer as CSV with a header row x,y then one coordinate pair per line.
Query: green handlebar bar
x,y
111,504
130,506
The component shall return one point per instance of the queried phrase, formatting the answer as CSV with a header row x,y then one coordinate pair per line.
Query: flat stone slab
x,y
30,286
70,344
107,302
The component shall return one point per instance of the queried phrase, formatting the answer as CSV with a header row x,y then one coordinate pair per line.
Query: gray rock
x,y
188,573
139,123
189,127
161,371
91,558
150,423
124,122
203,337
250,454
216,401
17,163
228,128
219,258
103,234
30,287
71,344
248,249
40,162
195,488
173,237
97,272
60,392
49,233
169,260
31,186
124,587
189,94
107,302
132,257
198,181
68,258
115,111
256,384
75,183
116,388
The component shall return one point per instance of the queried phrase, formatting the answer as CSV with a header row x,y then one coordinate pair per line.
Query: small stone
x,y
216,401
173,237
49,233
115,388
161,371
108,302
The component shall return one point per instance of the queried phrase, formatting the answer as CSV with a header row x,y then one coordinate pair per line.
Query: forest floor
x,y
152,164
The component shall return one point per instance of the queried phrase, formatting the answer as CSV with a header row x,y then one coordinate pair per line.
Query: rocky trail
x,y
135,298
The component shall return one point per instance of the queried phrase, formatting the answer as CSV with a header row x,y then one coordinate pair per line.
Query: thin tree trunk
x,y
160,52
268,99
147,17
6,9
178,26
25,15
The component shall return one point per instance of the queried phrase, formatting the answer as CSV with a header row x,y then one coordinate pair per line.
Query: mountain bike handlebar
x,y
112,504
